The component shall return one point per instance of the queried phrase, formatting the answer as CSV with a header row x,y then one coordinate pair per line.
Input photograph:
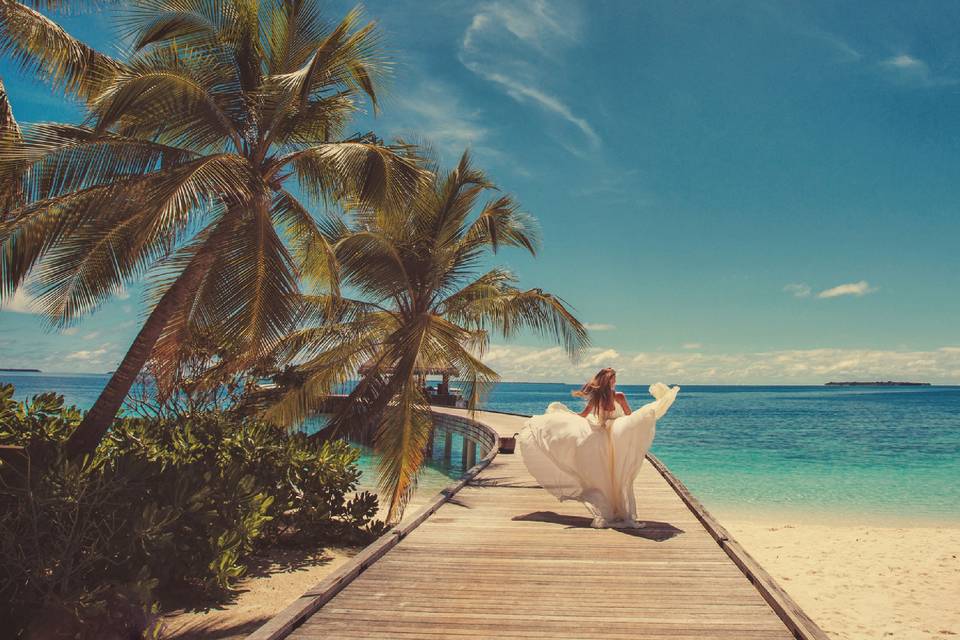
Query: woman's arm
x,y
622,401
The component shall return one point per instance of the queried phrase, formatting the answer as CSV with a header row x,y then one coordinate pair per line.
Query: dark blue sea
x,y
881,452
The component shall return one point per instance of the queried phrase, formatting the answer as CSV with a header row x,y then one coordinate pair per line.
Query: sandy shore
x,y
276,581
860,581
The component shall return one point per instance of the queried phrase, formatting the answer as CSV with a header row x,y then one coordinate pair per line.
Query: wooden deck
x,y
503,559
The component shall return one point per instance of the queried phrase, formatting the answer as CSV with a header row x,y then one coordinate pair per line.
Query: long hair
x,y
599,391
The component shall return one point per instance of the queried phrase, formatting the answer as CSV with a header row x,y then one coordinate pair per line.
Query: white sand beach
x,y
859,581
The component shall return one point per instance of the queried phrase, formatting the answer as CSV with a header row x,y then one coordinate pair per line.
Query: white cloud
x,y
70,331
789,366
798,290
599,326
692,345
123,294
434,107
904,61
914,71
513,44
19,303
602,359
850,289
89,355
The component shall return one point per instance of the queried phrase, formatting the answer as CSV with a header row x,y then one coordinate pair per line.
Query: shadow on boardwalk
x,y
656,531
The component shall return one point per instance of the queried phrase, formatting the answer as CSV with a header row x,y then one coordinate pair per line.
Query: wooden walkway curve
x,y
503,559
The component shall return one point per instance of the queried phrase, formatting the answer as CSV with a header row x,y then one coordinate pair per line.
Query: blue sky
x,y
729,192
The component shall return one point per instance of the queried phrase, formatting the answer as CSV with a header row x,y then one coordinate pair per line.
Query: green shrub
x,y
165,503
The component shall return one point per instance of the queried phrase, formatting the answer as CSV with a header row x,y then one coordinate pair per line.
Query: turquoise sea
x,y
883,453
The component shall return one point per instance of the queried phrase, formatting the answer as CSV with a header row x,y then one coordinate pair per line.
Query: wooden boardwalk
x,y
504,559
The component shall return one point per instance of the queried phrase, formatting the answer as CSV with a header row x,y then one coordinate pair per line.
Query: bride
x,y
594,456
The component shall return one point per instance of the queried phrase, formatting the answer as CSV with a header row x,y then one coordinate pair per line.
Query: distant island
x,y
2,370
888,383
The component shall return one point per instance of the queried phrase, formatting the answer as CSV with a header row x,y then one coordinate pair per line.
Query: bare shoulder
x,y
619,395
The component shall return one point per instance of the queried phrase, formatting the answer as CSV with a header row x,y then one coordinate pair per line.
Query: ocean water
x,y
881,453
872,453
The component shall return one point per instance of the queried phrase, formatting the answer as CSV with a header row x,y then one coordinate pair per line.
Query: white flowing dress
x,y
594,461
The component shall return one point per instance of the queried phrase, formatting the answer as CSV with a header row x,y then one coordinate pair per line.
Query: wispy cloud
x,y
510,45
798,290
692,345
794,23
911,70
602,358
90,355
599,326
792,366
435,107
803,290
861,288
904,61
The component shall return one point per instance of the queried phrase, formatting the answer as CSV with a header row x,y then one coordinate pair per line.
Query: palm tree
x,y
417,298
190,167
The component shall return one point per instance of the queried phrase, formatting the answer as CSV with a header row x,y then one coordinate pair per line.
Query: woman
x,y
595,456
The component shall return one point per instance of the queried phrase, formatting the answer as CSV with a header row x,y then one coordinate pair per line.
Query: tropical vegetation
x,y
91,548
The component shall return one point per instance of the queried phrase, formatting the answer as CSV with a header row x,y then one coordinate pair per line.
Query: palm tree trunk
x,y
97,421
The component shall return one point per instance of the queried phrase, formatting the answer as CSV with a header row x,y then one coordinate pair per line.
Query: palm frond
x,y
501,223
190,99
370,261
64,158
42,48
322,375
12,170
373,175
547,315
346,57
296,29
312,251
257,262
195,23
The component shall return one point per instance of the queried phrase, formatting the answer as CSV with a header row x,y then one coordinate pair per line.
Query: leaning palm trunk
x,y
98,419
